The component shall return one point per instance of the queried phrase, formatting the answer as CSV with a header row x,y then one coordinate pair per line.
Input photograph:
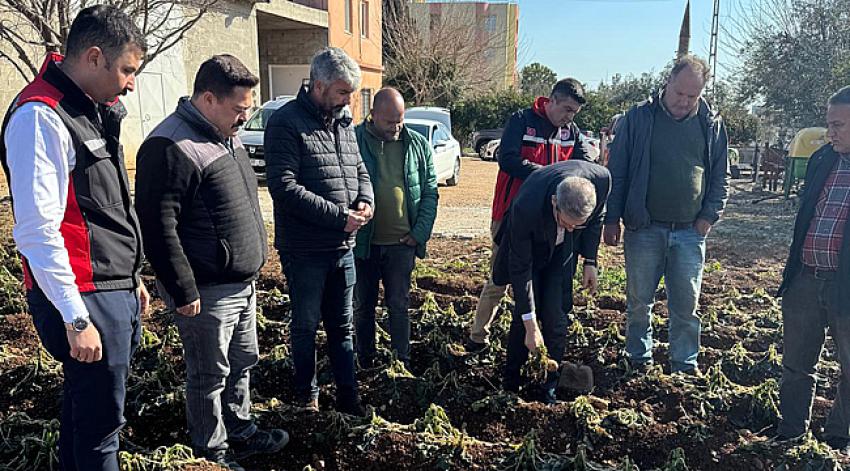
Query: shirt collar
x,y
664,107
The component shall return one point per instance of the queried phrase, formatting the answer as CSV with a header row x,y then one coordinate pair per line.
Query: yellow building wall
x,y
365,50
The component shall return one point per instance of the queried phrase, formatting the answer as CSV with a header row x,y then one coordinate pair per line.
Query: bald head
x,y
388,114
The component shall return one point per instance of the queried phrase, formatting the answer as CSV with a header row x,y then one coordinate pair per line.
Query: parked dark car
x,y
481,137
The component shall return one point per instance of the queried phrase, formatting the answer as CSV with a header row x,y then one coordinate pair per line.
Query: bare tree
x,y
791,55
31,28
438,58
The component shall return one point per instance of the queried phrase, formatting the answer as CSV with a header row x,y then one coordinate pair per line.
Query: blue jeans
x,y
393,264
678,255
220,348
321,287
93,394
553,299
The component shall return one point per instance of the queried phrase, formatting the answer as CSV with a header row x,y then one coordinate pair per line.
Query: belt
x,y
820,273
674,226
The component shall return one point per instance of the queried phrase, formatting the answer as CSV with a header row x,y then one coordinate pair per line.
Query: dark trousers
x,y
553,298
808,313
321,287
93,395
393,264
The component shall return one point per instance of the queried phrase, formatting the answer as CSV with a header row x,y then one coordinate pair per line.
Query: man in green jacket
x,y
400,166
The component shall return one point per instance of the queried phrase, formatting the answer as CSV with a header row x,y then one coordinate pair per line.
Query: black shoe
x,y
350,404
222,458
261,442
471,346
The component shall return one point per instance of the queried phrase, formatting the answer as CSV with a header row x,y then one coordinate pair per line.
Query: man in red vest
x,y
76,228
533,138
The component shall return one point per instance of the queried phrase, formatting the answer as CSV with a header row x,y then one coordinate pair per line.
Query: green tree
x,y
741,125
793,55
485,111
537,79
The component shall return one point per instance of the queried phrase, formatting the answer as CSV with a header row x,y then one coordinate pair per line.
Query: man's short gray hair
x,y
332,64
841,97
576,197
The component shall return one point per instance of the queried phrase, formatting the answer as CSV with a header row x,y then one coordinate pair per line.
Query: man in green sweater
x,y
400,166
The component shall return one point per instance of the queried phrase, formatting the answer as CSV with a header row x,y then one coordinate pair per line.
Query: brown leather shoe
x,y
575,377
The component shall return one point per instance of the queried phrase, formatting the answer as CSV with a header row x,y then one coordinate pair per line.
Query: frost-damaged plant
x,y
42,365
28,444
497,403
763,407
811,454
172,458
587,417
676,462
527,456
539,365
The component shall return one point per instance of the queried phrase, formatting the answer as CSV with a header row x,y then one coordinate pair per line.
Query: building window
x,y
364,18
365,102
348,16
490,23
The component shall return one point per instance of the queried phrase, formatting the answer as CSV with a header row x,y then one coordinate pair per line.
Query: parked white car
x,y
446,149
491,150
251,133
435,124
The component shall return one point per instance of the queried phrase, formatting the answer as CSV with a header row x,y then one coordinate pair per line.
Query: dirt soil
x,y
448,411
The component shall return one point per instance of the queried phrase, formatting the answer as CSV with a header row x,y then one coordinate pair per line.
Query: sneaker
x,y
575,377
350,405
261,442
471,346
222,458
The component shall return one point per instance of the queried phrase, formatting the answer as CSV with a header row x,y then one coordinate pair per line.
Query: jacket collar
x,y
704,110
71,92
189,113
307,102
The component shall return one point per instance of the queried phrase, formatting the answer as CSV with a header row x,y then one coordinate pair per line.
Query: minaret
x,y
685,32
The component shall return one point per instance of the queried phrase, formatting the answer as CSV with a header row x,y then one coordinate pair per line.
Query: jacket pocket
x,y
224,257
102,176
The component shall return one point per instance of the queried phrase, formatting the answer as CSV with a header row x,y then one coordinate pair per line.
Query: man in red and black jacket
x,y
533,138
76,228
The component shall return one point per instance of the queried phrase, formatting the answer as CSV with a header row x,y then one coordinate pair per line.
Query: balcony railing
x,y
317,4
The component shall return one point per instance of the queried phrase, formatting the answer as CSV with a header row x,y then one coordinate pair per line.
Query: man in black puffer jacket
x,y
322,195
196,197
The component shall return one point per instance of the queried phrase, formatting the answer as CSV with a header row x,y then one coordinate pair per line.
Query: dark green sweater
x,y
677,169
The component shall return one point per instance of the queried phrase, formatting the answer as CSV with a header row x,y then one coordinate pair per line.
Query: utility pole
x,y
712,55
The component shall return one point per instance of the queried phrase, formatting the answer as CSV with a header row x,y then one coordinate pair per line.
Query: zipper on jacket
x,y
257,219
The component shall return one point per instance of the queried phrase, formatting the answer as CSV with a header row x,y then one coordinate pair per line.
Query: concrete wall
x,y
231,29
287,47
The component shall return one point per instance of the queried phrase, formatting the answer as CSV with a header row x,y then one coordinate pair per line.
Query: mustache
x,y
238,124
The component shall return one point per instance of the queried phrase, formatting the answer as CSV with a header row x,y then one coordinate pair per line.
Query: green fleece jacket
x,y
420,185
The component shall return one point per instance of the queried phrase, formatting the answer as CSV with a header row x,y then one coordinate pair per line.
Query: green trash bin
x,y
795,171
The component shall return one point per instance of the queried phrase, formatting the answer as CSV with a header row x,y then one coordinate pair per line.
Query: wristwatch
x,y
79,324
